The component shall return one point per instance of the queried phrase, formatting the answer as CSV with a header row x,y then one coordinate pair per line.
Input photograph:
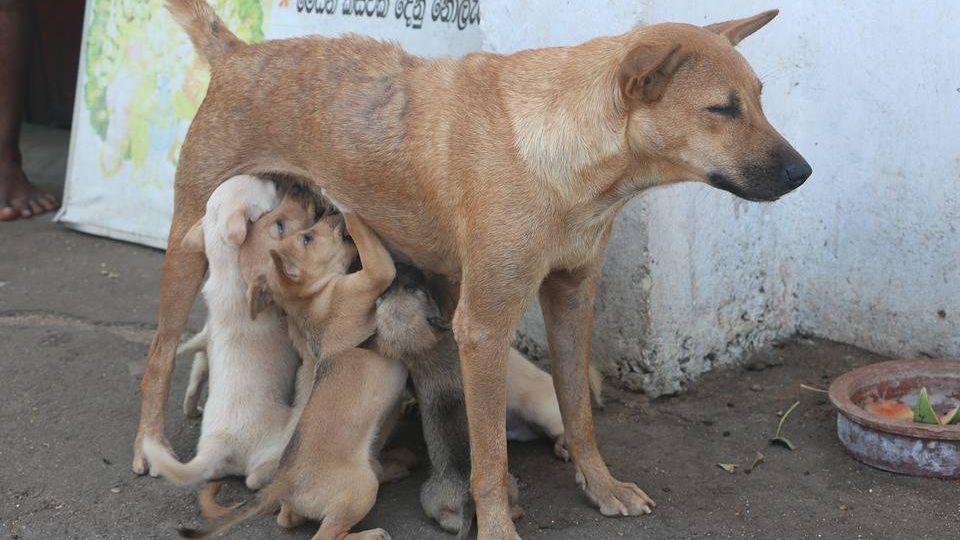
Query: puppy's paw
x,y
288,519
615,498
344,209
372,534
192,407
513,498
397,464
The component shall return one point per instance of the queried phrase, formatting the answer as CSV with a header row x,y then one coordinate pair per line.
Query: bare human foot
x,y
18,197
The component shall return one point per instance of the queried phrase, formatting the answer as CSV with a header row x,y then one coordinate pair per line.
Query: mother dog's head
x,y
694,110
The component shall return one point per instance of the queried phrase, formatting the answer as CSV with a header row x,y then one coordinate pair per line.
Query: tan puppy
x,y
329,471
507,191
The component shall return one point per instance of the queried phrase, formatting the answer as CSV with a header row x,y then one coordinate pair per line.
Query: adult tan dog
x,y
501,172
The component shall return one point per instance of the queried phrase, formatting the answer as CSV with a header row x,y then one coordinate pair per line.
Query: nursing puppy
x,y
410,328
248,417
297,210
329,470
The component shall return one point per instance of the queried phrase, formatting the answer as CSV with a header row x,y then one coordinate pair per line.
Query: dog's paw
x,y
615,498
155,440
140,465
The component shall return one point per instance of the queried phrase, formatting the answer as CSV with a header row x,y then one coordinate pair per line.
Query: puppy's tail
x,y
209,507
162,462
266,502
212,39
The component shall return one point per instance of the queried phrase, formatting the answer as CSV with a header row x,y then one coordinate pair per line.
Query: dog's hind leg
x,y
182,273
567,300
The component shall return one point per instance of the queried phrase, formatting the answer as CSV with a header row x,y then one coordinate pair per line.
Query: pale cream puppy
x,y
248,417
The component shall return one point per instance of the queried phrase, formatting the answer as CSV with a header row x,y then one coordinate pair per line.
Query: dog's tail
x,y
212,39
163,462
266,502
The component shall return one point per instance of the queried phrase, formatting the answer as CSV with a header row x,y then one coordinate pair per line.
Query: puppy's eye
x,y
731,109
306,239
280,227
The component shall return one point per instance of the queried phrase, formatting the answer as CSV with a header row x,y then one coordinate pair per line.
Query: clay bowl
x,y
897,446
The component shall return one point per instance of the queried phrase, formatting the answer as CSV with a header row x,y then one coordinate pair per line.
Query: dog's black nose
x,y
796,172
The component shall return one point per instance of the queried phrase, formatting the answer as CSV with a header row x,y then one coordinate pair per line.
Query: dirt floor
x,y
76,314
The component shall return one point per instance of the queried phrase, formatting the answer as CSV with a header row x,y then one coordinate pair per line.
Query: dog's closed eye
x,y
731,109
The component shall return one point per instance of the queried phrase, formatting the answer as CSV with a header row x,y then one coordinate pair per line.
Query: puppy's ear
x,y
736,30
193,240
286,269
646,71
258,298
236,227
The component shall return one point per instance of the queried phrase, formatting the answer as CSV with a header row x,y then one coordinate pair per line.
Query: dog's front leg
x,y
484,324
182,273
567,300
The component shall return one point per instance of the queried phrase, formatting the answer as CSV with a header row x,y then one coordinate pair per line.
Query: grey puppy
x,y
407,314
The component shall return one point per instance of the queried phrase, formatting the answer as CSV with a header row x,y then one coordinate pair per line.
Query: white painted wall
x,y
875,233
866,252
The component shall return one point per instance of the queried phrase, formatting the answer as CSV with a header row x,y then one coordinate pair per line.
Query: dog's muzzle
x,y
781,173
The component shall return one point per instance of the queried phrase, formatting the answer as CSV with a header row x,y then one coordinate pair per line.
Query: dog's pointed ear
x,y
646,71
286,269
258,298
236,227
193,240
736,30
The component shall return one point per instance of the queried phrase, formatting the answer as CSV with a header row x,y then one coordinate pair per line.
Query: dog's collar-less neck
x,y
569,124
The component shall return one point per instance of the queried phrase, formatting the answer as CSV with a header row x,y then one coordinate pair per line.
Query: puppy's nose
x,y
796,172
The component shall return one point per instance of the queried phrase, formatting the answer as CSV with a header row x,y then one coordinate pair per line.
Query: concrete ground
x,y
76,315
